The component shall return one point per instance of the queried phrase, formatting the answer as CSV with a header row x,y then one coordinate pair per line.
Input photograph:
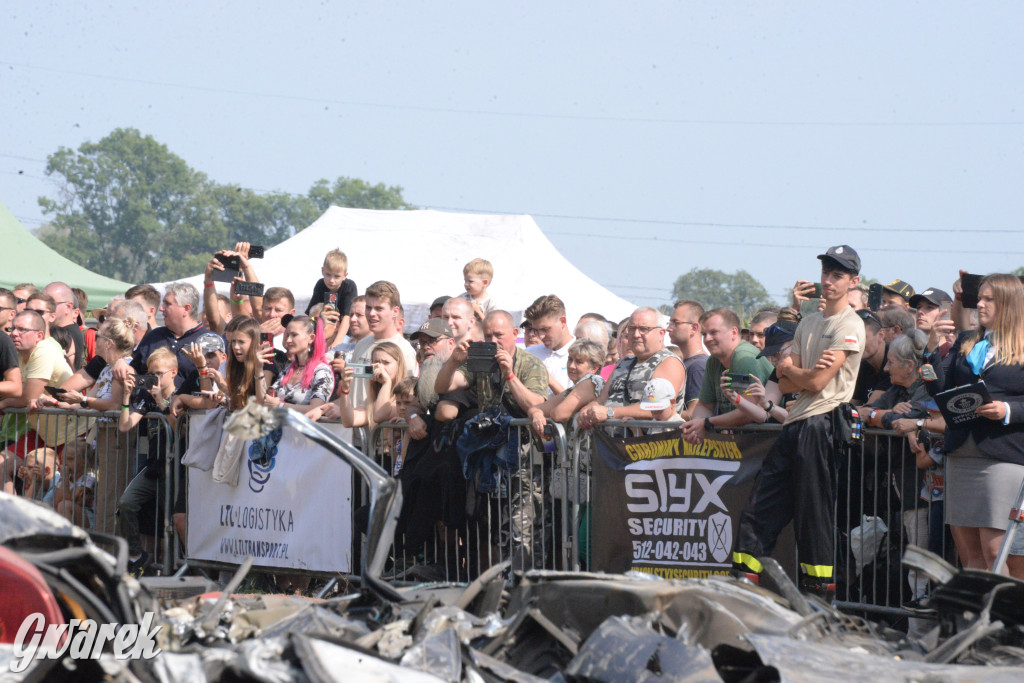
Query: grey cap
x,y
210,342
434,328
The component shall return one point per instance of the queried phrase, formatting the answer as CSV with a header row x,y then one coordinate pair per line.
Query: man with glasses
x,y
65,316
623,392
872,379
42,365
721,329
8,309
45,306
684,332
21,294
181,328
547,316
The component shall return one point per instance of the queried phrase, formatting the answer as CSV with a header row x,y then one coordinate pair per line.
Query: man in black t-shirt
x,y
10,371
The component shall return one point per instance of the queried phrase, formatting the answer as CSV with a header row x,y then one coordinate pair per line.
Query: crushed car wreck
x,y
526,626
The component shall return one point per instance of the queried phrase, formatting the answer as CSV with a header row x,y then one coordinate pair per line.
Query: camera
x,y
362,370
256,251
739,381
143,385
480,357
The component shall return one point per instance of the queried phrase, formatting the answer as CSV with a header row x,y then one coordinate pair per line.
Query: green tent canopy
x,y
26,259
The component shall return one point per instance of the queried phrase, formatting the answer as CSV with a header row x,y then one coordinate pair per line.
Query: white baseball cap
x,y
658,394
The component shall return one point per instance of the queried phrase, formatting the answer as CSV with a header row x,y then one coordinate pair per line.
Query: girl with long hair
x,y
388,370
308,381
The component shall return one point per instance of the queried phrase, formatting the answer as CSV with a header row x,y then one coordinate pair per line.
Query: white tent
x,y
423,253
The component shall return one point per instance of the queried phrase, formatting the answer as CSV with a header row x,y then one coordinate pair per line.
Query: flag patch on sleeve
x,y
850,340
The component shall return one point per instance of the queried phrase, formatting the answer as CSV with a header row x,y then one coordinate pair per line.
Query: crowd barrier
x,y
540,518
92,482
520,523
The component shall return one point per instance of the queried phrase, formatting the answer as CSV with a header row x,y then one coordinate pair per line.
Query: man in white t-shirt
x,y
547,316
382,315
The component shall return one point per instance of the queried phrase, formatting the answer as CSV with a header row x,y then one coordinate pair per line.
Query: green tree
x,y
739,291
355,193
129,208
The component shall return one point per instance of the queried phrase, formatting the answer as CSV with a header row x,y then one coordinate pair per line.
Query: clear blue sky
x,y
645,138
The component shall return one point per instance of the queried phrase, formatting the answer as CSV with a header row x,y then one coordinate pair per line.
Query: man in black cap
x,y
797,479
437,306
897,292
929,305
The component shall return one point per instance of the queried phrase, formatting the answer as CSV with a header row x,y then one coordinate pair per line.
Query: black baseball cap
x,y
931,295
439,301
775,337
845,256
901,288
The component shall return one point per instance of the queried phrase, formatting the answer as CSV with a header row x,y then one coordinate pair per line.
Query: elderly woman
x,y
582,366
985,463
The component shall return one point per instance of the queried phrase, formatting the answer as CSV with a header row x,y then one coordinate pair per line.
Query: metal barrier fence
x,y
539,518
884,502
81,464
521,522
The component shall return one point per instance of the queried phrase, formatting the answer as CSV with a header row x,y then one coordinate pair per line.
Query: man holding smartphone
x,y
797,478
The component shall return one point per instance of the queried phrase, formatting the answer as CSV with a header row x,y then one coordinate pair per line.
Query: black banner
x,y
670,508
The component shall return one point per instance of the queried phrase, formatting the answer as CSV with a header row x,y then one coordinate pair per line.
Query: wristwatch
x,y
85,401
708,427
920,424
611,412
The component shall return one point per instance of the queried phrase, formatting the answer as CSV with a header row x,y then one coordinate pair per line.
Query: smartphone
x,y
266,338
481,357
970,284
243,288
232,265
739,381
874,297
362,370
331,299
256,251
56,392
817,290
945,309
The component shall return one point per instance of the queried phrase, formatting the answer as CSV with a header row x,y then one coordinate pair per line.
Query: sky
x,y
645,138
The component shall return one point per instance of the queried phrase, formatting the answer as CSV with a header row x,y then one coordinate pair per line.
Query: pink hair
x,y
316,355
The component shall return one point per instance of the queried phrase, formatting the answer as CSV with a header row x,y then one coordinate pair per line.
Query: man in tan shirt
x,y
797,478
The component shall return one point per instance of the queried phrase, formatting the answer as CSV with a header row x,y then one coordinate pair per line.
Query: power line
x,y
772,245
758,226
523,114
15,156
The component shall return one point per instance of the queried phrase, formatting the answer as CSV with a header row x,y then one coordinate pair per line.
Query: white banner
x,y
294,513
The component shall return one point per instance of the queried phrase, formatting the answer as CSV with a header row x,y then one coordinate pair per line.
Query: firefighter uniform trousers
x,y
796,482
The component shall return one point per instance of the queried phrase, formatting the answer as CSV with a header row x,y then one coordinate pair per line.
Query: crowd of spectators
x,y
472,367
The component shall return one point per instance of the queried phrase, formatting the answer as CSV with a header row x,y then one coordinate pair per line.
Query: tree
x,y
739,291
126,205
357,194
129,208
